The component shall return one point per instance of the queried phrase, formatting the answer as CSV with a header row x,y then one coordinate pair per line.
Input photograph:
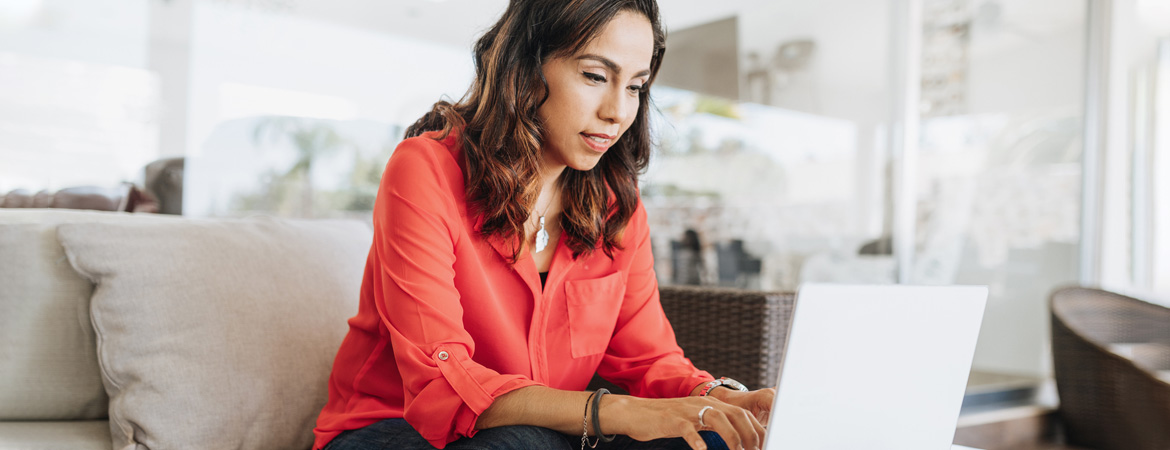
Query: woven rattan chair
x,y
1108,351
731,333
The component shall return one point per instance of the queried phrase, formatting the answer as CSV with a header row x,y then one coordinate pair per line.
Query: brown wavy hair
x,y
501,131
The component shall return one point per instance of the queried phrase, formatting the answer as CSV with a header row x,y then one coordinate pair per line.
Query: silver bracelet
x,y
585,425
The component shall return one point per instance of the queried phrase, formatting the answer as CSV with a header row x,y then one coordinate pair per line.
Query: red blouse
x,y
445,325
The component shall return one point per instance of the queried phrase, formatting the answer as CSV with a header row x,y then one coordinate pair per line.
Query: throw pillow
x,y
47,358
216,334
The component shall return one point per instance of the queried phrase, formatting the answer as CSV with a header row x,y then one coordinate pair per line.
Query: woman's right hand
x,y
647,419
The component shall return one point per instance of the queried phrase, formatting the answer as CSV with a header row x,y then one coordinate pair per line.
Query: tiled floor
x,y
1001,412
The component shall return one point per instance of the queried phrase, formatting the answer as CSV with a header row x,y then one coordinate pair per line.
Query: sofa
x,y
139,331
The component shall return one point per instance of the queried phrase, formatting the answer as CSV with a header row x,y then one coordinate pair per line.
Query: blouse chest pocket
x,y
593,306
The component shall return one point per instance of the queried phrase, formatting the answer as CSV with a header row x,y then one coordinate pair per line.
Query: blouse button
x,y
443,356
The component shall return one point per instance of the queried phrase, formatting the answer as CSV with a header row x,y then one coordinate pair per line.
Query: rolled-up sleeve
x,y
445,389
643,355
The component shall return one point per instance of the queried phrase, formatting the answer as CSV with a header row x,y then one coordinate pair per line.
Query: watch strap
x,y
723,381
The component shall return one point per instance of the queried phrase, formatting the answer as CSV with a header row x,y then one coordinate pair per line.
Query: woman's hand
x,y
759,402
647,419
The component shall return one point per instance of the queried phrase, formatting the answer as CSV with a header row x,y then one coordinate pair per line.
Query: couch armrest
x,y
731,333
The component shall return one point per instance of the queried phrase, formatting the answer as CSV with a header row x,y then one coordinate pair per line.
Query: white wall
x,y
1130,250
848,76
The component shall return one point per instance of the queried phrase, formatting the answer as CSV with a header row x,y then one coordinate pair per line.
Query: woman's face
x,y
593,95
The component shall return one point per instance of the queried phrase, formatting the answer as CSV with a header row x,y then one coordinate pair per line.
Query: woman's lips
x,y
598,142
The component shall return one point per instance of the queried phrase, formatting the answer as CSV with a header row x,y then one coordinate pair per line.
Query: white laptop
x,y
875,367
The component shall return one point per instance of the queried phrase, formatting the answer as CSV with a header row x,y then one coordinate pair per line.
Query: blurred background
x,y
1012,143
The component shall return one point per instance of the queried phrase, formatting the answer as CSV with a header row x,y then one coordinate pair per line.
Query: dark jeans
x,y
396,434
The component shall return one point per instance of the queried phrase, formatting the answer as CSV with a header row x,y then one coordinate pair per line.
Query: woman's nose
x,y
614,107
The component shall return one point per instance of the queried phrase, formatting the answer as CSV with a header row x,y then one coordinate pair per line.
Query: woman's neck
x,y
549,176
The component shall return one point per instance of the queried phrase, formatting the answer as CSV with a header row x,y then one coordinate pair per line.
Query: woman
x,y
511,261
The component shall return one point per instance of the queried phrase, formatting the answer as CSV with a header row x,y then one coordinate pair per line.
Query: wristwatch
x,y
723,381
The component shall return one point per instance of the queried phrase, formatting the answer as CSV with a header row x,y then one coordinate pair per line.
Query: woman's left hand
x,y
758,402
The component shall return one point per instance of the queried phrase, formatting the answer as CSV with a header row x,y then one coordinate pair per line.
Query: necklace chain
x,y
548,206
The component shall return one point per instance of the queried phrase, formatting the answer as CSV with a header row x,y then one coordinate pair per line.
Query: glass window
x,y
78,105
999,182
772,165
296,114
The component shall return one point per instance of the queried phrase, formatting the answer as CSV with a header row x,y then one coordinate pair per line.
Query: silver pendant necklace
x,y
541,231
541,236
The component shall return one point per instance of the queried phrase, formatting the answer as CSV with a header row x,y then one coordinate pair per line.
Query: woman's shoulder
x,y
430,142
639,221
421,167
431,150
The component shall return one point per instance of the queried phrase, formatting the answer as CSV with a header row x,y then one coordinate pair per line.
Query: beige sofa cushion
x,y
66,435
48,363
218,334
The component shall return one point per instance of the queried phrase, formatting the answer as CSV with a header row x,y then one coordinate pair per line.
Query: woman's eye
x,y
636,89
594,77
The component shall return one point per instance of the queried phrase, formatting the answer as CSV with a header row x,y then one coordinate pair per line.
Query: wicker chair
x,y
1108,350
729,332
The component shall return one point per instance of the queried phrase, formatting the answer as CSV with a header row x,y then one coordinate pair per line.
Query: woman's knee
x,y
398,434
515,437
714,442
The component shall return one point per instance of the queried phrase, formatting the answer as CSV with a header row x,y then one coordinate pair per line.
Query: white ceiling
x,y
453,22
459,22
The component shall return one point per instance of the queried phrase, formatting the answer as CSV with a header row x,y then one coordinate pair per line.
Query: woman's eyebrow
x,y
609,64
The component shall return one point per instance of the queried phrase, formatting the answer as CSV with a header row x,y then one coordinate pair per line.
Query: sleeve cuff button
x,y
443,356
